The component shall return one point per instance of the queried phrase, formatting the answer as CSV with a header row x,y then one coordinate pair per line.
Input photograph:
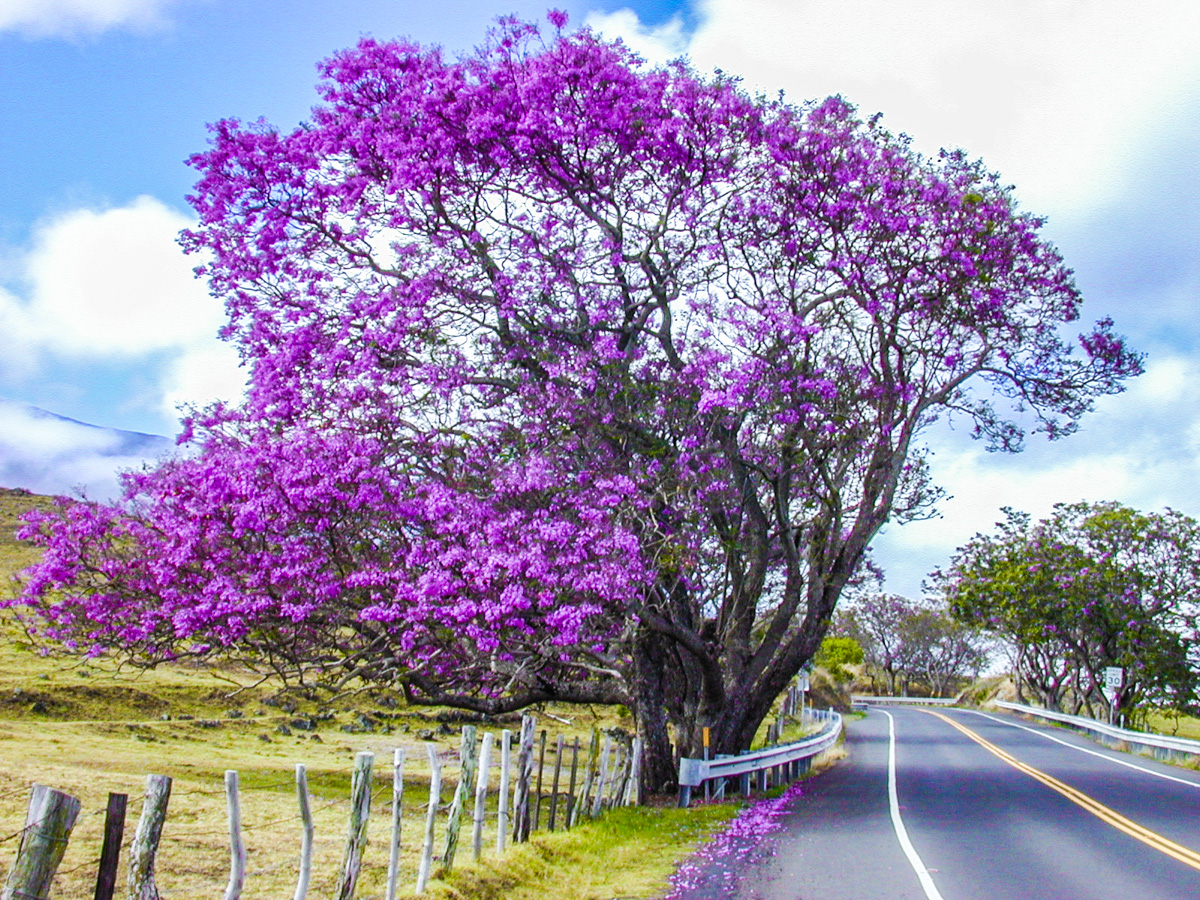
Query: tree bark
x,y
657,765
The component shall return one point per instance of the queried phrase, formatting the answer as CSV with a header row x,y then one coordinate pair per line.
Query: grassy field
x,y
92,728
1181,726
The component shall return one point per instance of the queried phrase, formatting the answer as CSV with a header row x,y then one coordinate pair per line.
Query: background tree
x,y
1091,586
913,642
877,623
940,651
543,310
836,653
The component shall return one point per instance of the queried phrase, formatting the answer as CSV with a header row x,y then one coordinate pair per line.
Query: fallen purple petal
x,y
714,866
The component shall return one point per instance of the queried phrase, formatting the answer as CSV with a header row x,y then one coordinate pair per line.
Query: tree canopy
x,y
570,378
1092,585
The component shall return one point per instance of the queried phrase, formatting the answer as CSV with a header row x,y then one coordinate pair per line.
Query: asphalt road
x,y
1007,811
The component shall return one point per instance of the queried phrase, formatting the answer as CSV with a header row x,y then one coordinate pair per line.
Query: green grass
x,y
15,555
629,853
1183,726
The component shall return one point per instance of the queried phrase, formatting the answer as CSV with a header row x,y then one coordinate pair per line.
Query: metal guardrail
x,y
790,759
873,700
1161,746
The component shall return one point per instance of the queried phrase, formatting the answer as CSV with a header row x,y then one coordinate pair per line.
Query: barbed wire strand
x,y
89,862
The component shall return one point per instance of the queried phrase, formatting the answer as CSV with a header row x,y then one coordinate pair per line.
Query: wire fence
x,y
498,789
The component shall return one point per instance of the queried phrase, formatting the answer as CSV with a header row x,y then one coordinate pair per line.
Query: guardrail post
x,y
722,783
691,774
685,796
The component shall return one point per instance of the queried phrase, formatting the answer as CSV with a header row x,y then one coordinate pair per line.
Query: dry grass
x,y
1175,726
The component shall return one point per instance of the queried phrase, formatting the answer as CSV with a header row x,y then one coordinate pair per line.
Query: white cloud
x,y
1057,95
115,282
67,18
113,286
202,375
657,44
19,354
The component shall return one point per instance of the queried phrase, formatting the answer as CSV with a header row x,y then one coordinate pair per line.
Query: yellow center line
x,y
1099,810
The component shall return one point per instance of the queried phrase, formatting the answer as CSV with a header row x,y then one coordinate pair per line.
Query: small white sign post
x,y
1114,677
802,684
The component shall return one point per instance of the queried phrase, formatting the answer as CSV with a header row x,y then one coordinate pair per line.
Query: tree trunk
x,y
657,767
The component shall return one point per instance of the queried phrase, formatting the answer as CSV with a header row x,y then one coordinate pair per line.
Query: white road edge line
x,y
931,891
1111,759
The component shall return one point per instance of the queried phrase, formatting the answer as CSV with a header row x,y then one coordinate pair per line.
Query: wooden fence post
x,y
356,828
505,770
397,807
146,838
588,776
558,753
598,802
541,767
237,849
572,804
620,782
462,793
481,789
306,835
633,795
48,822
521,810
110,852
435,796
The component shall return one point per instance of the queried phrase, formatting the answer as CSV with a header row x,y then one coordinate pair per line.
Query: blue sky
x,y
1092,109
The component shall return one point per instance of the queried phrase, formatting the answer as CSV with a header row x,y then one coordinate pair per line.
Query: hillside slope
x,y
52,454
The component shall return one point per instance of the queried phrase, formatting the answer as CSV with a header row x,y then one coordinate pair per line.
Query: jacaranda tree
x,y
570,378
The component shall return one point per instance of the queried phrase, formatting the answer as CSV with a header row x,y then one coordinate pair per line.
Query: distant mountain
x,y
51,454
